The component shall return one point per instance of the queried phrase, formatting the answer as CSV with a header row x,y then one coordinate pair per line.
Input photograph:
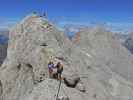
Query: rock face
x,y
3,45
3,52
128,43
98,66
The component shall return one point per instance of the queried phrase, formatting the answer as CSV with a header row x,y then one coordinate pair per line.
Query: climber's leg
x,y
50,73
59,76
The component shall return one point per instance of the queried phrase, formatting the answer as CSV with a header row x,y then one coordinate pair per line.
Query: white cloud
x,y
123,27
120,27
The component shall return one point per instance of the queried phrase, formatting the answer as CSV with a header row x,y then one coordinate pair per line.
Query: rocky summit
x,y
96,65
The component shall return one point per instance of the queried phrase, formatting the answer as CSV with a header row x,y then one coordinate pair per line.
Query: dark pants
x,y
59,72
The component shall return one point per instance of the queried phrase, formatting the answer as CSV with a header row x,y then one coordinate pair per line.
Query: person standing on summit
x,y
45,14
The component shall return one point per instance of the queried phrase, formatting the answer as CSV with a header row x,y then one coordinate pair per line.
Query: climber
x,y
45,14
50,67
59,67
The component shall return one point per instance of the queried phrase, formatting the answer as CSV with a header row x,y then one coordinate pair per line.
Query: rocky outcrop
x,y
128,43
3,45
96,67
3,52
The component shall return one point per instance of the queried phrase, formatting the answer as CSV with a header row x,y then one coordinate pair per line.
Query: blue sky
x,y
118,14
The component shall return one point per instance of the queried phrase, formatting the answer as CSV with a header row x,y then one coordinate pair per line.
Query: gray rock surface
x,y
128,43
102,64
3,52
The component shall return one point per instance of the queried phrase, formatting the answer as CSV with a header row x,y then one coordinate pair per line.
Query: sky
x,y
117,14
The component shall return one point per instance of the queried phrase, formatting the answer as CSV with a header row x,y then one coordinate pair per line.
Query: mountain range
x,y
96,65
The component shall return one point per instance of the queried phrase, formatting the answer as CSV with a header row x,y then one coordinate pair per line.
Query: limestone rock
x,y
103,66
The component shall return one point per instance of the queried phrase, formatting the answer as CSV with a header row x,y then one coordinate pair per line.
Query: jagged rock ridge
x,y
102,64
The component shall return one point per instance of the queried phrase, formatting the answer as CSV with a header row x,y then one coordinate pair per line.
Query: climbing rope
x,y
58,90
